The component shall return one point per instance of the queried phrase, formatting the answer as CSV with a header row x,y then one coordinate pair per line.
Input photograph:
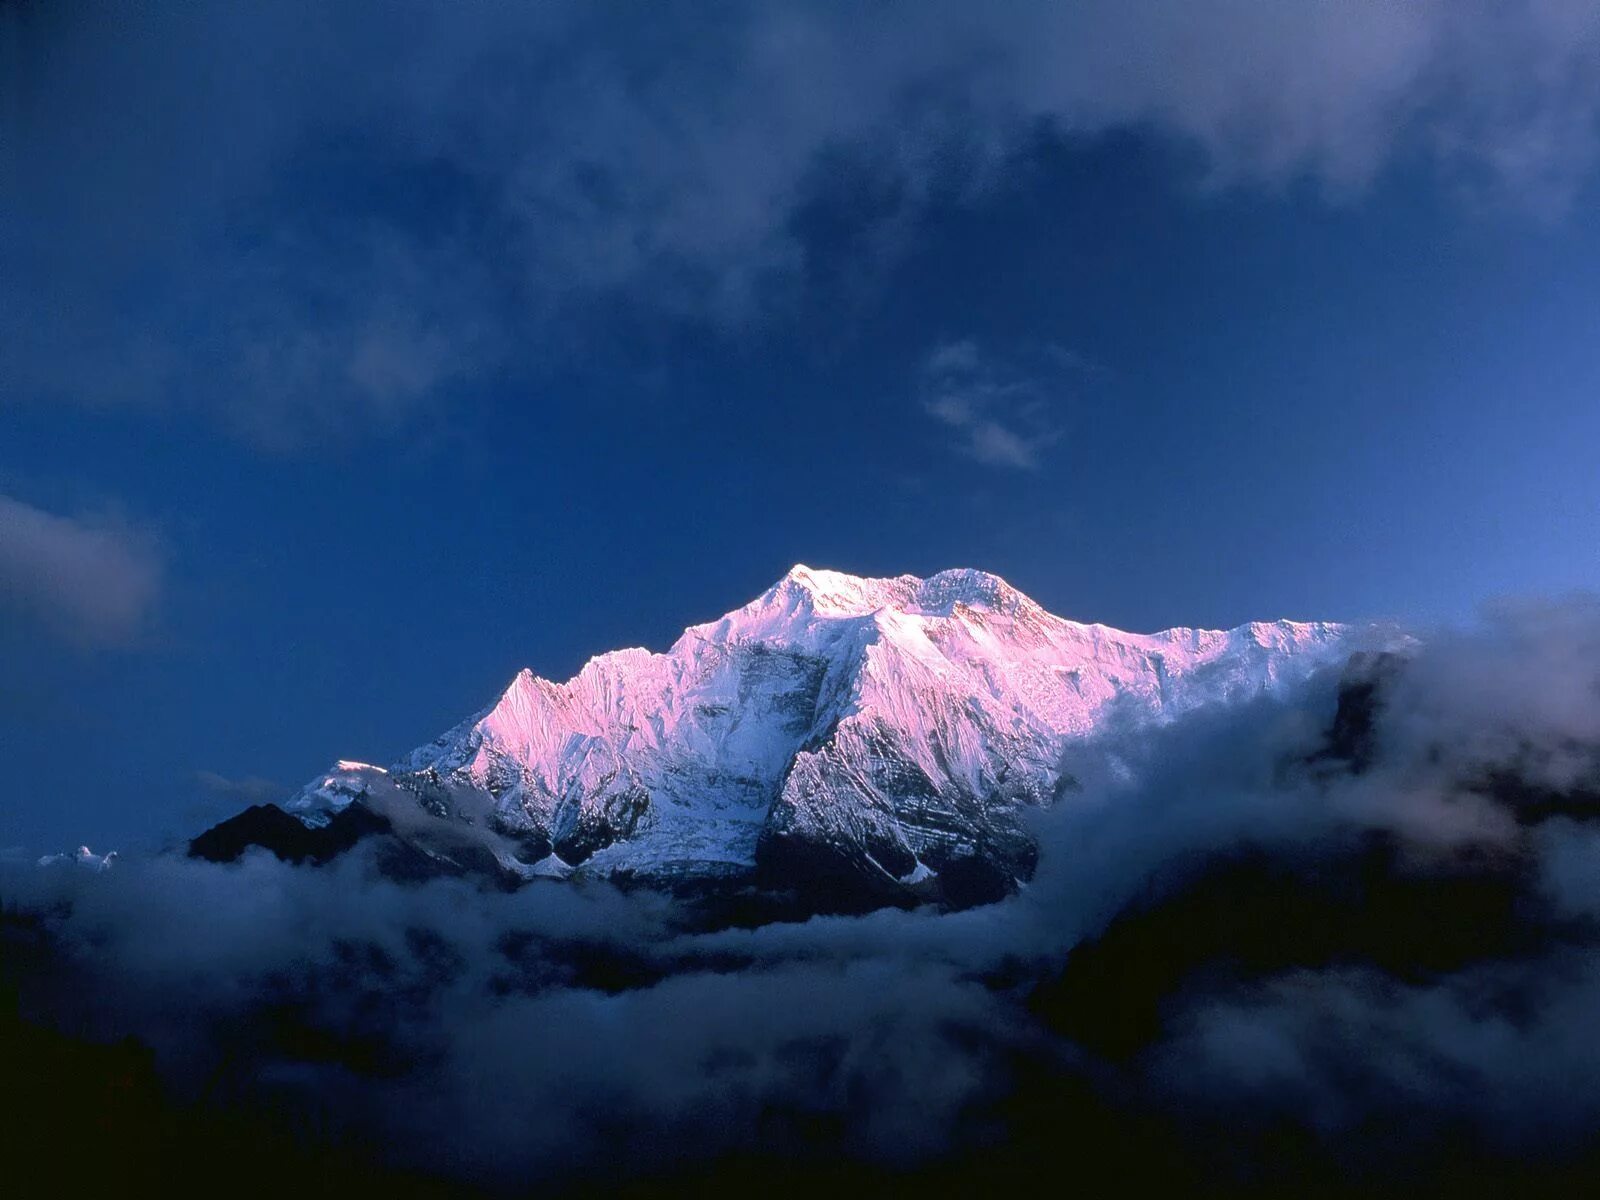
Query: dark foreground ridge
x,y
268,826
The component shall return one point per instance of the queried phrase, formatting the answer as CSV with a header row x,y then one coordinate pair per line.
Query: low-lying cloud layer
x,y
1233,925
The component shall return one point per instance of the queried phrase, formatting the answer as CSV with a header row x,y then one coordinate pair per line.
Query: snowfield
x,y
895,725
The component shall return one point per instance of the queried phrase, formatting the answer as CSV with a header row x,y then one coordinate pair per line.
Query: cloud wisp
x,y
252,789
94,583
1003,413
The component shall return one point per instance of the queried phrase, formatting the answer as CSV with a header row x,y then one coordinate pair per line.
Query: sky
x,y
353,358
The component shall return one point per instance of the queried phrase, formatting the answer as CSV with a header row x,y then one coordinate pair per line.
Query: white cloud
x,y
663,159
1003,412
91,582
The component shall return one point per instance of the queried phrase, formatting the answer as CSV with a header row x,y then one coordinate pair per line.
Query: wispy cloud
x,y
95,582
252,789
1005,412
347,224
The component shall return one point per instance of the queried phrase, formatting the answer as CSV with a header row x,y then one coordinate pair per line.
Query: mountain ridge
x,y
889,729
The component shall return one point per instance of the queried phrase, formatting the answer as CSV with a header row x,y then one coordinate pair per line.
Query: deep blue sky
x,y
349,363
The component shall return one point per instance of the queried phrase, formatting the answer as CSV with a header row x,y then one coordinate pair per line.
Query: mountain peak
x,y
939,594
838,594
900,725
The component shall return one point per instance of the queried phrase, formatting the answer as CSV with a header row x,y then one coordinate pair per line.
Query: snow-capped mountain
x,y
81,857
891,730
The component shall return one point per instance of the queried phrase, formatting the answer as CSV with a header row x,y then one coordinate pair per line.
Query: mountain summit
x,y
886,732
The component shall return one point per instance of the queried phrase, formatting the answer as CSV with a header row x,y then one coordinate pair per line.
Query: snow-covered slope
x,y
81,857
896,727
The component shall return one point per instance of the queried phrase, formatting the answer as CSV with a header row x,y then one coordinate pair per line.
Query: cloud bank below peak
x,y
1411,965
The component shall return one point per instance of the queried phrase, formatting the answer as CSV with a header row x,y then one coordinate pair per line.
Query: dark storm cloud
x,y
91,581
313,221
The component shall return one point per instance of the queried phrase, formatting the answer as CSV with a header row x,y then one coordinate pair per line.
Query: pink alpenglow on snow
x,y
909,720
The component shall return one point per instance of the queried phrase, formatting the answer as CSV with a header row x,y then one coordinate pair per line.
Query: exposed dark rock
x,y
1362,693
1252,915
268,826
